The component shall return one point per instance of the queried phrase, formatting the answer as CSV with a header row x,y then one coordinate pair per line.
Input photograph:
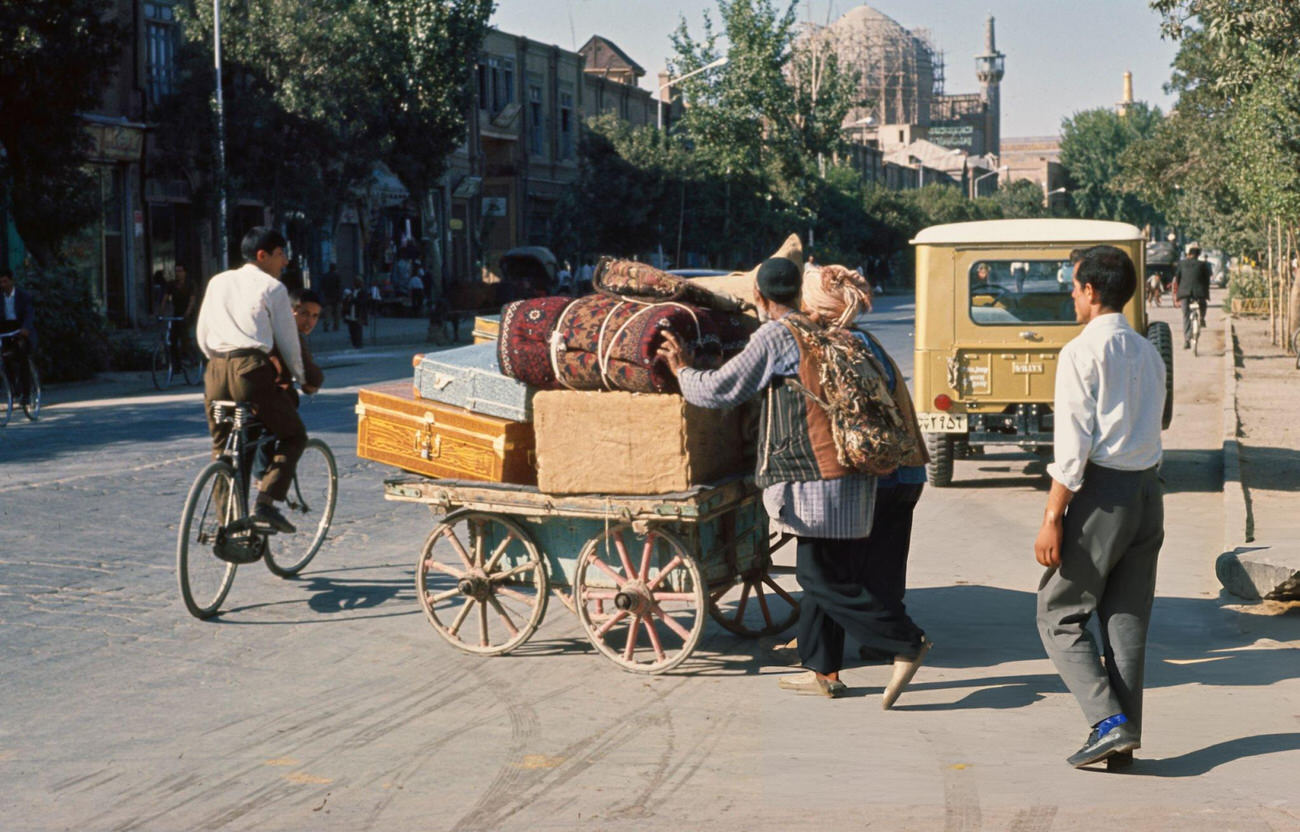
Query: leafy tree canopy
x,y
1092,144
55,57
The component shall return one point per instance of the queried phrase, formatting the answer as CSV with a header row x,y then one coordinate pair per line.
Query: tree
x,y
425,51
55,57
317,94
1092,144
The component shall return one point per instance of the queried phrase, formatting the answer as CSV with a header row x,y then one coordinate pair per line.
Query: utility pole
x,y
223,229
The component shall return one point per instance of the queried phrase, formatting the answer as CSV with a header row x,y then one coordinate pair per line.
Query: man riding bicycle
x,y
17,314
1191,286
246,314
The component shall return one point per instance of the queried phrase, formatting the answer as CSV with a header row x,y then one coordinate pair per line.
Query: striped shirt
x,y
839,508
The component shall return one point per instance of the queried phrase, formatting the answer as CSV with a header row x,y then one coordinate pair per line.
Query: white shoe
x,y
904,670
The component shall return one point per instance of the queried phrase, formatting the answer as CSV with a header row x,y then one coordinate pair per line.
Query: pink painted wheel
x,y
640,598
755,605
481,582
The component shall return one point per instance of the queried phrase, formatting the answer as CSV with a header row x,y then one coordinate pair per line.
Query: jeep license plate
x,y
942,422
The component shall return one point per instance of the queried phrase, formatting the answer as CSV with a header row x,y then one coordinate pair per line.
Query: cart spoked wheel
x,y
755,605
481,582
640,598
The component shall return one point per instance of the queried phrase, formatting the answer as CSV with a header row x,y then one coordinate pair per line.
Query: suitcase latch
x,y
428,445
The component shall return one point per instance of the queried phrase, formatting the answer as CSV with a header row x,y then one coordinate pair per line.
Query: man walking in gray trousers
x,y
1101,551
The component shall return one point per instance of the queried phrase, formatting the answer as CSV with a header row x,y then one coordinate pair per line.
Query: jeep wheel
x,y
1159,335
939,470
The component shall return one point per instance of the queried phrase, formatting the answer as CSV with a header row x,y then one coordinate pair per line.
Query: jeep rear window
x,y
1021,292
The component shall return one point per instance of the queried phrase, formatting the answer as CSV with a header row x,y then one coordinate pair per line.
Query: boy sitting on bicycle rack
x,y
246,314
306,313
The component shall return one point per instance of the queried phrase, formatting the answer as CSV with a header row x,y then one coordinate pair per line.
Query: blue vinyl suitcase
x,y
470,377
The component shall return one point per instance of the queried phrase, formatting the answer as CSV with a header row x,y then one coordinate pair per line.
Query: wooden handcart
x,y
639,571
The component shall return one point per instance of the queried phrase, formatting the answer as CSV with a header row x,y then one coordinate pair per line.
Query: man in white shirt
x,y
1101,552
246,314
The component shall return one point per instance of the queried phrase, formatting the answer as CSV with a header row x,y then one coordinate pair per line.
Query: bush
x,y
70,331
1247,282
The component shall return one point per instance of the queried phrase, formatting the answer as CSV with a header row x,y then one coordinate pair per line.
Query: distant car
x,y
698,272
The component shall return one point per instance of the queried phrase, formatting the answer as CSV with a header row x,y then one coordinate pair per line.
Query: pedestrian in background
x,y
354,311
331,293
1104,522
416,287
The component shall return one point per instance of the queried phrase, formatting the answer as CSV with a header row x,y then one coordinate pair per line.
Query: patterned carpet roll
x,y
601,342
524,345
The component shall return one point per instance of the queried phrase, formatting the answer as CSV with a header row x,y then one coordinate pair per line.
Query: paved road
x,y
327,702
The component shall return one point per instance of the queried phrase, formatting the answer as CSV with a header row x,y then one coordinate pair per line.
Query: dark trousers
x,y
1114,527
251,378
835,603
1187,304
883,570
354,333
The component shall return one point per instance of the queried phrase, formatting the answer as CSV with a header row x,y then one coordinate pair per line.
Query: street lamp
x,y
1047,197
975,183
670,82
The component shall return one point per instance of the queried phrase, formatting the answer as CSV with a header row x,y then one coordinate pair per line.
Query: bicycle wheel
x,y
191,366
214,501
32,405
310,507
6,398
161,367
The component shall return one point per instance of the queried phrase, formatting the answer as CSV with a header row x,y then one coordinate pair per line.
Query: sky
x,y
1063,56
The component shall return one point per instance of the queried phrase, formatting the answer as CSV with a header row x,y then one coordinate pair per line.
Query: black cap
x,y
779,279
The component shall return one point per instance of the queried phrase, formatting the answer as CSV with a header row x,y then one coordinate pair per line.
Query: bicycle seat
x,y
237,413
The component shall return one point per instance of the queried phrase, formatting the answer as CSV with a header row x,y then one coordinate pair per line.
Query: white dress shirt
x,y
11,303
246,308
1110,396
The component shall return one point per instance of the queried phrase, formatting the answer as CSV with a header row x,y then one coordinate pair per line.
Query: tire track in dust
x,y
1034,819
307,731
523,725
674,775
578,756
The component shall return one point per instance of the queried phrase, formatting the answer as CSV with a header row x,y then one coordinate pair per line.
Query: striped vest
x,y
795,442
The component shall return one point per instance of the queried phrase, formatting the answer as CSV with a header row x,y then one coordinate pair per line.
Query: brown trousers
x,y
251,378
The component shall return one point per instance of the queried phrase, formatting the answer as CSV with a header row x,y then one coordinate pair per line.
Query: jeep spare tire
x,y
1163,340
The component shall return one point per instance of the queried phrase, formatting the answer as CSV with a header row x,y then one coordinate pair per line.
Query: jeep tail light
x,y
942,402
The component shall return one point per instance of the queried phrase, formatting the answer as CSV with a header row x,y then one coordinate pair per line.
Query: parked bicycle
x,y
175,356
13,366
217,533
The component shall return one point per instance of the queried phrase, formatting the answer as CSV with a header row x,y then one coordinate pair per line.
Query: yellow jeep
x,y
993,309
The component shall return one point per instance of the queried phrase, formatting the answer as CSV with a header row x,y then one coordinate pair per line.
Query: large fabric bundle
x,y
631,280
601,342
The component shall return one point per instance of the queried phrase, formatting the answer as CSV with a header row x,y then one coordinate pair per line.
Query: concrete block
x,y
1255,573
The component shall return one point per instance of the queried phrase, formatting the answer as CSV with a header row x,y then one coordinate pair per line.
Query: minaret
x,y
1126,102
989,69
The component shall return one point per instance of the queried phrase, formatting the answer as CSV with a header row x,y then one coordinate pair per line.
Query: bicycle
x,y
1197,315
217,533
171,358
11,360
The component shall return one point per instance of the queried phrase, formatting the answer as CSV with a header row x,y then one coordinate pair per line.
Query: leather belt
x,y
241,353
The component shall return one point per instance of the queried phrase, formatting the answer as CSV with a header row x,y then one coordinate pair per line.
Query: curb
x,y
1237,521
